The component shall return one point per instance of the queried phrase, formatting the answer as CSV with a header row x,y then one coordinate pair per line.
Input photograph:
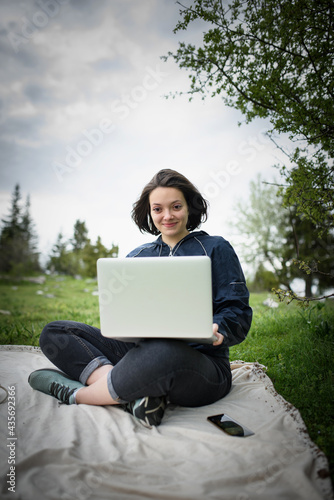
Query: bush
x,y
264,281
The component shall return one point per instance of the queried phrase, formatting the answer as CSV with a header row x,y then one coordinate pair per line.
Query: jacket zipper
x,y
177,246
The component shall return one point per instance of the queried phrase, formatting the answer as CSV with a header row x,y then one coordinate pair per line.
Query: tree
x,y
30,254
274,238
262,222
273,59
18,240
310,256
264,280
78,255
59,260
10,234
80,236
90,254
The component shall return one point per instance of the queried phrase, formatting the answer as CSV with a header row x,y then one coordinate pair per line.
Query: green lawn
x,y
295,344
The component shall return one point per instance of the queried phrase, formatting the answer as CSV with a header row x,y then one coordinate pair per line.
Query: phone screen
x,y
230,426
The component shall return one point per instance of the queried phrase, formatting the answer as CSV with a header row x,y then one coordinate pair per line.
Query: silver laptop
x,y
152,297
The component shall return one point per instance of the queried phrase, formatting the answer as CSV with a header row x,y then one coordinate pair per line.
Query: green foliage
x,y
270,59
273,60
78,255
310,188
262,221
264,280
18,246
279,239
18,242
90,253
80,236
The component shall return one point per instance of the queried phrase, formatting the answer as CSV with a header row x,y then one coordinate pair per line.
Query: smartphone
x,y
230,426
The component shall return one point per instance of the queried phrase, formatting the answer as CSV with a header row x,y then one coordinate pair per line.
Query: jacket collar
x,y
159,241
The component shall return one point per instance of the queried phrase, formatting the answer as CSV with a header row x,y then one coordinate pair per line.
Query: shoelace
x,y
61,392
152,415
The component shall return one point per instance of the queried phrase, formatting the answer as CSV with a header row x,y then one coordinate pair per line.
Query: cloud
x,y
83,88
37,93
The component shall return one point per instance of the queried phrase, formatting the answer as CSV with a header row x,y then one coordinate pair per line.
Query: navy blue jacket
x,y
231,310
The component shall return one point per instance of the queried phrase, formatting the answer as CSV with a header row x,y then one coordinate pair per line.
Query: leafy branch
x,y
290,295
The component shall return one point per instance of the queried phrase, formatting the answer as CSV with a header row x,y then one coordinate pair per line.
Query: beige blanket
x,y
61,452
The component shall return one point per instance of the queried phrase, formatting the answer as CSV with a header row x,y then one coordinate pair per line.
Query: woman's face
x,y
169,212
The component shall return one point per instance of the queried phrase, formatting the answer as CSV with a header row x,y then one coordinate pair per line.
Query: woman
x,y
144,377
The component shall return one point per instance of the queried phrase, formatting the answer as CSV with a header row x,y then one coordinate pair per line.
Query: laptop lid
x,y
152,297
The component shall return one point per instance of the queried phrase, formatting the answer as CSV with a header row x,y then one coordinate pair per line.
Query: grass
x,y
295,344
31,306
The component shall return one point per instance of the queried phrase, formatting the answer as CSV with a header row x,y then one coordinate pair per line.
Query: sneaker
x,y
148,410
56,384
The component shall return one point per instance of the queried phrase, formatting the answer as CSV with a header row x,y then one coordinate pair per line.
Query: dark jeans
x,y
154,367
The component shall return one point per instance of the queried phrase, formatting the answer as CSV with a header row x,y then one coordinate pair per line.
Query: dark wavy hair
x,y
197,205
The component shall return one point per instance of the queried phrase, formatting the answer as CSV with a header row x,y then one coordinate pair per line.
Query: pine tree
x,y
30,255
80,235
18,240
59,256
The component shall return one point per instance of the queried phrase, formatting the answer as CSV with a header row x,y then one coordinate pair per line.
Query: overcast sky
x,y
85,124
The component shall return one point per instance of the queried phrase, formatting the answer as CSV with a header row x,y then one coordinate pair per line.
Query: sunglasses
x,y
230,426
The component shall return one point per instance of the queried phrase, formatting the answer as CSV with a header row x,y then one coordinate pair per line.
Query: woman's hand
x,y
219,336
